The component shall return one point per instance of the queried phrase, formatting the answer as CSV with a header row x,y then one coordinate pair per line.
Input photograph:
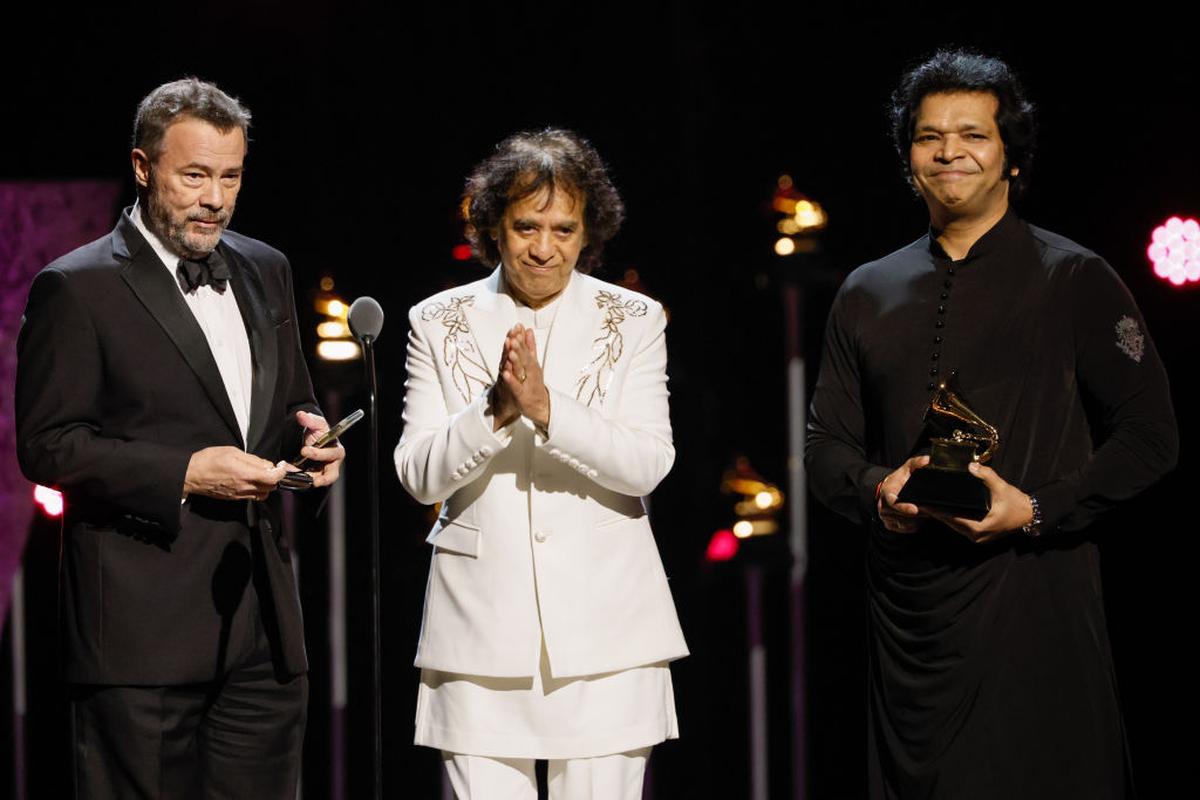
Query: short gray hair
x,y
189,97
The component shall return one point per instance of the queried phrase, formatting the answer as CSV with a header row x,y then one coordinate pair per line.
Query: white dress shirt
x,y
218,315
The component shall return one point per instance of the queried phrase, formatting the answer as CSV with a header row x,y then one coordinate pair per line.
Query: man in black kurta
x,y
990,671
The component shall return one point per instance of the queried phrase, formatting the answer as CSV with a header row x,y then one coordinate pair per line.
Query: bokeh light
x,y
1174,251
49,499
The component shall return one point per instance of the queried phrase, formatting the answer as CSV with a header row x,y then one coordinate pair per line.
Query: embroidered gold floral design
x,y
607,347
459,352
1130,339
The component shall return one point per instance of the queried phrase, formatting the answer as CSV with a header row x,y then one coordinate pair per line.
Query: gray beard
x,y
158,219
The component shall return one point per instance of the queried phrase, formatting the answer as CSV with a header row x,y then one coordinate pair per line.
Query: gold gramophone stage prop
x,y
956,436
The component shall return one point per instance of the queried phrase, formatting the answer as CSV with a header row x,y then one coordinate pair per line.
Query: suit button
x,y
540,536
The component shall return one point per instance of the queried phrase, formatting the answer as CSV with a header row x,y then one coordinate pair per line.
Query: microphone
x,y
365,318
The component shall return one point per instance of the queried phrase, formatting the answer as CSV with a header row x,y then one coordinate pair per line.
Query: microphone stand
x,y
373,481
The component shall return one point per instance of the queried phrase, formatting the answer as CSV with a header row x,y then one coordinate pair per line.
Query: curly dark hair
x,y
188,97
969,71
524,164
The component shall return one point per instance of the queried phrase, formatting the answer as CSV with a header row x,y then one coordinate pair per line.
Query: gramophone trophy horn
x,y
957,435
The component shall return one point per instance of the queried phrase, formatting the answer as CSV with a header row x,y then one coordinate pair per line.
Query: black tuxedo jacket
x,y
116,388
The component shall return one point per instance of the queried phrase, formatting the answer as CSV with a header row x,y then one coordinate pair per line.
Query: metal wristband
x,y
1034,528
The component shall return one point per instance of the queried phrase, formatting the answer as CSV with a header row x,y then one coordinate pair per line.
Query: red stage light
x,y
1175,251
50,500
722,546
461,252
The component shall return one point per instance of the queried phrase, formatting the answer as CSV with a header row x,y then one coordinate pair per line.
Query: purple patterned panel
x,y
38,223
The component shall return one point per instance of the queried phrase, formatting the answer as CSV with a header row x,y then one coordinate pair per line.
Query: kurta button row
x,y
939,324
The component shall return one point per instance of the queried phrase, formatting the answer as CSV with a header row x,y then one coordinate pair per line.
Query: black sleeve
x,y
839,473
60,439
1121,376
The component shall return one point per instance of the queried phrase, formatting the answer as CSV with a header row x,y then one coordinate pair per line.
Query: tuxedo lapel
x,y
158,292
252,303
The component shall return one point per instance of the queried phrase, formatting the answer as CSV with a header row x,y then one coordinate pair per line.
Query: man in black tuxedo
x,y
161,386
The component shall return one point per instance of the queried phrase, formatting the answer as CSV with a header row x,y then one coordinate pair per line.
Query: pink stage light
x,y
1175,251
461,252
50,500
722,546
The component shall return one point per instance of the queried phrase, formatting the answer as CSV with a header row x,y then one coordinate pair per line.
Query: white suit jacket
x,y
541,536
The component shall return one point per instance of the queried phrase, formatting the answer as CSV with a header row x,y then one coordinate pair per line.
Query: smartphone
x,y
330,436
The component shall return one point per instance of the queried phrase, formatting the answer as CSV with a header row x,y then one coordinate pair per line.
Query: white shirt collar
x,y
540,318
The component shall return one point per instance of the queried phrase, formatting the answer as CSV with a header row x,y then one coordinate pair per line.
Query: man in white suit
x,y
536,413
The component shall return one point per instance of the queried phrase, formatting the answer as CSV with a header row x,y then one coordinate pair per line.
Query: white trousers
x,y
615,777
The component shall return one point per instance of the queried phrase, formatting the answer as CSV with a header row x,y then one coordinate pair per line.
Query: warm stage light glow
x,y
1175,251
337,350
50,500
337,308
809,215
764,499
333,329
785,246
743,528
722,546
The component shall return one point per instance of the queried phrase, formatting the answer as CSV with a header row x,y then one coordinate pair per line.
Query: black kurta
x,y
990,671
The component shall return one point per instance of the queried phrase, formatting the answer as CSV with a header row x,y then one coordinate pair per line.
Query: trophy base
x,y
954,492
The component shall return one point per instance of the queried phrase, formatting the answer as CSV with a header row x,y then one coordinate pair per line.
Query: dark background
x,y
365,122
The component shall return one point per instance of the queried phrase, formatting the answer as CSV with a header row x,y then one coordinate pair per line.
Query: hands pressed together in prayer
x,y
1011,508
521,390
230,473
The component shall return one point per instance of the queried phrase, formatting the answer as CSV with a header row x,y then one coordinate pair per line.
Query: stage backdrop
x,y
39,221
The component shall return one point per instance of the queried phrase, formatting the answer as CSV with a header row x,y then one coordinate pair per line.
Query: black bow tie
x,y
211,271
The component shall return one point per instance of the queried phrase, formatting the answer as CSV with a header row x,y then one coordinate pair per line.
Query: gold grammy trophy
x,y
957,435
